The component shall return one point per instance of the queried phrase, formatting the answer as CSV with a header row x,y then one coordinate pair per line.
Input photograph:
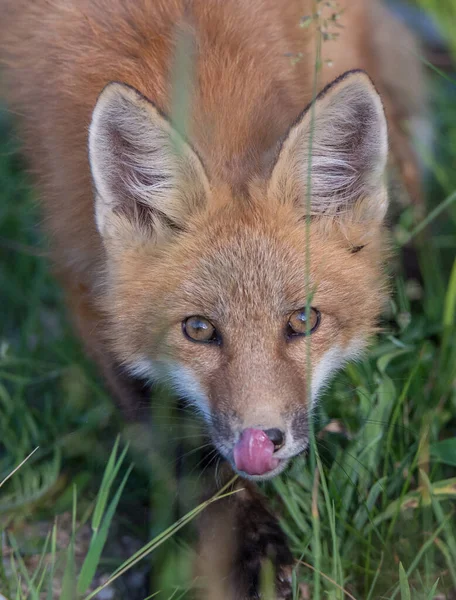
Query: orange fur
x,y
150,229
241,257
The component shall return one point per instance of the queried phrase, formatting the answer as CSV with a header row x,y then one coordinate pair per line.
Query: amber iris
x,y
199,329
303,322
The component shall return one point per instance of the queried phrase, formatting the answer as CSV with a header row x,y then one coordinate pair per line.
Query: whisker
x,y
189,453
212,455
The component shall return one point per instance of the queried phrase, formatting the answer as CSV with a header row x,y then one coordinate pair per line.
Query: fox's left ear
x,y
345,133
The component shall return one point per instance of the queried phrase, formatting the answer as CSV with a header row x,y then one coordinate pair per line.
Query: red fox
x,y
218,260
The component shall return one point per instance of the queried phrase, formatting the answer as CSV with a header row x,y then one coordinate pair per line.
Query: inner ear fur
x,y
345,133
143,171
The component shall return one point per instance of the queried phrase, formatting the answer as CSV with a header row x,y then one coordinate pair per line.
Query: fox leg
x,y
238,536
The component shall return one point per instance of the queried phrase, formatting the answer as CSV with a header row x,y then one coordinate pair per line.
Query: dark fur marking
x,y
355,249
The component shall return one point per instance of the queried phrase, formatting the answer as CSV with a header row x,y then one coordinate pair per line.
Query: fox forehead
x,y
267,263
246,270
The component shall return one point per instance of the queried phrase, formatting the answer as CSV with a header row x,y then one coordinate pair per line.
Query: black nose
x,y
276,436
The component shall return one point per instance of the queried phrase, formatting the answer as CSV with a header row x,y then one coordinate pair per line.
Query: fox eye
x,y
302,322
199,329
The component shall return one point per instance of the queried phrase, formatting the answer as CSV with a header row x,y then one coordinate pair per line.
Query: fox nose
x,y
276,436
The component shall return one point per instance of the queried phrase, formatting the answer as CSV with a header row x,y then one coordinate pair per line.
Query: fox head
x,y
246,302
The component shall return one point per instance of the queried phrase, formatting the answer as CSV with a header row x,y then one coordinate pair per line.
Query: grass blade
x,y
18,467
404,585
430,217
98,540
109,475
69,575
432,594
421,552
166,534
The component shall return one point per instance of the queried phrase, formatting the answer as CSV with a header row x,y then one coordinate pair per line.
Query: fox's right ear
x,y
147,178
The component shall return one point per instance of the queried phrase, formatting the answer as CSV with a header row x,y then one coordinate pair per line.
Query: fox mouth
x,y
281,463
258,453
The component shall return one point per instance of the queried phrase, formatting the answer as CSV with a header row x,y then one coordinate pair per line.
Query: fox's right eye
x,y
199,329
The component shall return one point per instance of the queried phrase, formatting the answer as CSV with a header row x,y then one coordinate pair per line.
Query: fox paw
x,y
261,541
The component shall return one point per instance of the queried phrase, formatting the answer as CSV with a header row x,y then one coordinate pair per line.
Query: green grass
x,y
370,512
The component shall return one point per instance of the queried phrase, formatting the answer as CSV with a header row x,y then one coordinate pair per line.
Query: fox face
x,y
245,301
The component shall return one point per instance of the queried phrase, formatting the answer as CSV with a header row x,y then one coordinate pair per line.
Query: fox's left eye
x,y
199,329
302,322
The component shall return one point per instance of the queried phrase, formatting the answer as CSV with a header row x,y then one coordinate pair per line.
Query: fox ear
x,y
345,133
146,177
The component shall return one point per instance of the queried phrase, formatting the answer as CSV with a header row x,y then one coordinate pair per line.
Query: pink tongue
x,y
253,453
